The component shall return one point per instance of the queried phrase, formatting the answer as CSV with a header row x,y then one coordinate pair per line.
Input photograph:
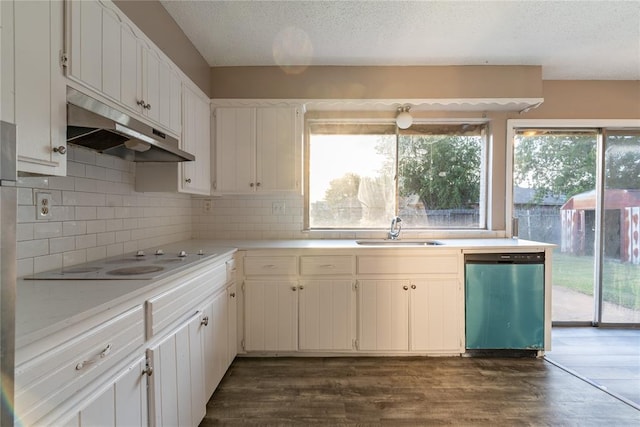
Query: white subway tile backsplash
x,y
32,248
24,231
74,228
86,241
97,226
86,213
104,239
47,230
96,213
62,244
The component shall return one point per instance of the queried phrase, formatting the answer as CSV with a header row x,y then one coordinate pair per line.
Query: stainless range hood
x,y
95,125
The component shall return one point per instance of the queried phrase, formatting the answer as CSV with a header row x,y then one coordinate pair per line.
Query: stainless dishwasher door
x,y
504,301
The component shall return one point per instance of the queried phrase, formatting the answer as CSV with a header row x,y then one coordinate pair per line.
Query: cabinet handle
x,y
232,294
251,185
99,356
147,371
188,180
257,184
293,288
413,286
205,321
327,266
301,287
141,103
405,287
147,106
269,266
60,150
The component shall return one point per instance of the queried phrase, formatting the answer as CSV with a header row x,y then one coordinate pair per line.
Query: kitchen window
x,y
361,174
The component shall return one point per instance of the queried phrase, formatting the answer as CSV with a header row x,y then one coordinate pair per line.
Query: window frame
x,y
485,181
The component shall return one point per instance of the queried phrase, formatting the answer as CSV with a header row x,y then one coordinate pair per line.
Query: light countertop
x,y
46,306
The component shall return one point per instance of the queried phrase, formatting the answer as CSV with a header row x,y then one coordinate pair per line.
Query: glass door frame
x,y
601,126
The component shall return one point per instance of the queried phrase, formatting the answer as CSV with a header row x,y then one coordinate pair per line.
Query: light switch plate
x,y
43,205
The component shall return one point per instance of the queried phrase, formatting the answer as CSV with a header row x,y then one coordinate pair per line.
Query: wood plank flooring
x,y
459,391
610,358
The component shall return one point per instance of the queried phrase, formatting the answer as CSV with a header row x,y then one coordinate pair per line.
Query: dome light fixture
x,y
404,119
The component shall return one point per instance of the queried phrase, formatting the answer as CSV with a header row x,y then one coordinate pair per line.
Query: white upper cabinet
x,y
185,177
39,86
196,139
107,54
257,150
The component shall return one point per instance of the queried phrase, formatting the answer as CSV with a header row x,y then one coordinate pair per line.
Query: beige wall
x,y
595,99
377,82
159,26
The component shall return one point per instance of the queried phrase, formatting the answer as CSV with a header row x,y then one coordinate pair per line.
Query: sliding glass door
x,y
580,189
554,171
621,225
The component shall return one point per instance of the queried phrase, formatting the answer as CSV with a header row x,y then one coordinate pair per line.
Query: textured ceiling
x,y
581,40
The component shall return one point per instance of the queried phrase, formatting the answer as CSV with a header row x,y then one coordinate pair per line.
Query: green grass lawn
x,y
621,281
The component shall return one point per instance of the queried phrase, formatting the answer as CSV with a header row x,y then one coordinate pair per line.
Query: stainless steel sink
x,y
398,242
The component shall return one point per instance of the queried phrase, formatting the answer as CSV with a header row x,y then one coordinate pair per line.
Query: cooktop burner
x,y
138,265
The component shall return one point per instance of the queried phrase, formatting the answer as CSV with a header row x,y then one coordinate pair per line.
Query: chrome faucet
x,y
396,227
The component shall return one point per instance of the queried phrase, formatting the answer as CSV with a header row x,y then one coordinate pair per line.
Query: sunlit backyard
x,y
621,281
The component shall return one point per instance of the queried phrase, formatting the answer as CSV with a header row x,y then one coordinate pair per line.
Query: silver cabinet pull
x,y
293,288
301,287
251,185
405,287
148,370
60,149
413,286
141,103
257,184
188,180
205,321
93,360
147,106
232,294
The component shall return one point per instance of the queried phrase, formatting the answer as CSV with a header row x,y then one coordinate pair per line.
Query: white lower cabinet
x,y
176,387
326,314
216,341
409,315
121,403
378,302
271,315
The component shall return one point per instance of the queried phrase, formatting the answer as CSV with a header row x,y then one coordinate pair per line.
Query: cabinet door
x,y
271,315
384,315
434,315
232,322
131,69
177,384
276,149
40,97
123,403
151,83
85,43
196,139
235,150
215,341
326,315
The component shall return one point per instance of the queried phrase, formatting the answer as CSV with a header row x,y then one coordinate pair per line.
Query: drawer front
x,y
182,300
43,383
430,264
321,265
270,266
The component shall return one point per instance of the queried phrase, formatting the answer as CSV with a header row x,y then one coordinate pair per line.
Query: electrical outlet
x,y
278,208
43,205
206,206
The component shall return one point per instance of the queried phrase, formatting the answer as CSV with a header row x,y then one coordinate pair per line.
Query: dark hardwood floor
x,y
410,391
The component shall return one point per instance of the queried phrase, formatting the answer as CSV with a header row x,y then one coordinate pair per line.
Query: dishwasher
x,y
504,301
